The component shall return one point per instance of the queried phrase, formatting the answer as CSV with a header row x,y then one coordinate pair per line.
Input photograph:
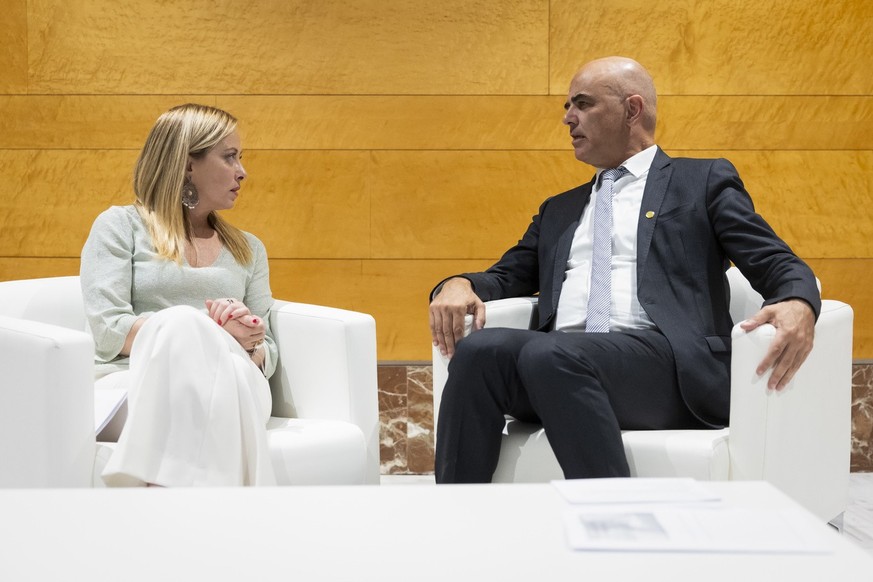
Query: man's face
x,y
597,118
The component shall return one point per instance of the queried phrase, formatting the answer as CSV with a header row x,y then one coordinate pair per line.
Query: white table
x,y
401,532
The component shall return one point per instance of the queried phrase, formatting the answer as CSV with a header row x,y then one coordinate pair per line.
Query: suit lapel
x,y
565,241
653,197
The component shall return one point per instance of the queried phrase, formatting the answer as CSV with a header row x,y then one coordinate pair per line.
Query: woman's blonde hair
x,y
159,177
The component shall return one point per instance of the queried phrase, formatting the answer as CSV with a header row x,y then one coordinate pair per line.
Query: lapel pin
x,y
650,214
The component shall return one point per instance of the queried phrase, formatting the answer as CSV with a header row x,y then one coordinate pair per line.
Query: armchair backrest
x,y
745,301
55,300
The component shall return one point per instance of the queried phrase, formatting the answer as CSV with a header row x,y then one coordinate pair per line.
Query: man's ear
x,y
634,108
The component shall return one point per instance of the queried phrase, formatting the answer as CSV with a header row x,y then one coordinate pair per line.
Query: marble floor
x,y
857,521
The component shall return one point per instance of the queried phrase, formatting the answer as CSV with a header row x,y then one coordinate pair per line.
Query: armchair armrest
x,y
54,300
327,369
798,439
514,313
46,405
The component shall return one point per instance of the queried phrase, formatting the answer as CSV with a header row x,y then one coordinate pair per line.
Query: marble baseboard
x,y
406,415
862,417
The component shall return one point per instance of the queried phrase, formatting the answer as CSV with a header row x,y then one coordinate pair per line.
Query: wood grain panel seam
x,y
394,259
453,150
438,95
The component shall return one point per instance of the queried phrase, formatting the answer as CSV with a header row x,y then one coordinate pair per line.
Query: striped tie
x,y
600,293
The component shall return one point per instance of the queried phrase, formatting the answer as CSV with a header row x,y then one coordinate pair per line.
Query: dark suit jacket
x,y
703,219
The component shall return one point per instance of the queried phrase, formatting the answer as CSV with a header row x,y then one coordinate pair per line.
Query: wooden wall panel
x,y
392,144
307,204
777,122
722,47
398,294
483,201
851,281
399,122
394,292
280,46
462,204
83,121
337,283
302,204
436,122
534,123
808,197
13,47
418,204
51,197
12,268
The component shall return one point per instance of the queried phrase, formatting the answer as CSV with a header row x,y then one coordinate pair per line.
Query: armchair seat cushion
x,y
699,454
304,452
527,457
317,451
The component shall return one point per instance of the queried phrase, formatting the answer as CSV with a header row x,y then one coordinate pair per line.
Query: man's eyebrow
x,y
575,99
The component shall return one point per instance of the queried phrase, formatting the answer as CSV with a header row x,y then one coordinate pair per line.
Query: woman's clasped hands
x,y
238,321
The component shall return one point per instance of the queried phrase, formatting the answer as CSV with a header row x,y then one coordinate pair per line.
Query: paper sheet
x,y
107,401
701,528
676,515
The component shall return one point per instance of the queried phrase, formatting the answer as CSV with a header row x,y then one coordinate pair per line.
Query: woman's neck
x,y
200,227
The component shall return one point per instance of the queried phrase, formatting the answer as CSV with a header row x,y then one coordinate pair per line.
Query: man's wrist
x,y
449,281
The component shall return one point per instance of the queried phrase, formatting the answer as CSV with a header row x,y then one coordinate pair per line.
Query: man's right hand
x,y
447,311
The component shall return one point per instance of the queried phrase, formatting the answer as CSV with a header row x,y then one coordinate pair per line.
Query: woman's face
x,y
217,174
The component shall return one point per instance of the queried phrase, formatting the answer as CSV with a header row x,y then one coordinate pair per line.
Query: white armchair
x,y
325,423
798,439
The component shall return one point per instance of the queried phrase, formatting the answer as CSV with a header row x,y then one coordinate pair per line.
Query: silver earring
x,y
190,198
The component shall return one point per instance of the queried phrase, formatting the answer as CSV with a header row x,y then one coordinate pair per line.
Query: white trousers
x,y
197,408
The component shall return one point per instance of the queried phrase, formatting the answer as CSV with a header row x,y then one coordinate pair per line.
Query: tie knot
x,y
613,174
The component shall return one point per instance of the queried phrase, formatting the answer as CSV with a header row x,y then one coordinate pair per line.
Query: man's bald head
x,y
627,77
611,111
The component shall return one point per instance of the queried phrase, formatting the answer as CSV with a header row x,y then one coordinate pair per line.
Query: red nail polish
x,y
255,320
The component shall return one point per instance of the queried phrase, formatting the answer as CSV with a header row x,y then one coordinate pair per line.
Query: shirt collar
x,y
639,163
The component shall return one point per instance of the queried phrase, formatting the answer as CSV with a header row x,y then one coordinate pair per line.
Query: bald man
x,y
659,356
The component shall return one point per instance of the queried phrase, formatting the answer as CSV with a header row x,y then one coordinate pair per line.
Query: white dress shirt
x,y
625,311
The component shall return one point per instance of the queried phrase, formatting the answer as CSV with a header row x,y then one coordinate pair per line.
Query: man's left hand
x,y
794,321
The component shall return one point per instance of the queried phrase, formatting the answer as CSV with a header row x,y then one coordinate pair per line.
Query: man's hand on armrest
x,y
794,321
447,310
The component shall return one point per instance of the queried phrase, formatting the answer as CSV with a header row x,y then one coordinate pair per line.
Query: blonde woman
x,y
178,301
